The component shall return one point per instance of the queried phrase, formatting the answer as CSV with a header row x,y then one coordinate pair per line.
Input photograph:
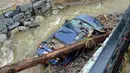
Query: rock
x,y
8,44
54,7
22,28
34,25
15,24
60,7
26,23
43,10
55,12
3,38
31,19
3,28
18,17
14,31
48,5
26,7
39,18
30,24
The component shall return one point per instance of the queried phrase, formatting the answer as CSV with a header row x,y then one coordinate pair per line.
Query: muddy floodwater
x,y
25,42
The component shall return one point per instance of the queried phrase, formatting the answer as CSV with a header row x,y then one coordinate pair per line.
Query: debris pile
x,y
73,67
109,21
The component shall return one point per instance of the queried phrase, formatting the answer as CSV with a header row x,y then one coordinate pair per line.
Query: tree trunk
x,y
21,65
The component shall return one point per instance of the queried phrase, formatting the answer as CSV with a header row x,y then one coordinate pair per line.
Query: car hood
x,y
66,35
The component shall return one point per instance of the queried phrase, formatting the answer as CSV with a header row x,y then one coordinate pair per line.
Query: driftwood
x,y
21,65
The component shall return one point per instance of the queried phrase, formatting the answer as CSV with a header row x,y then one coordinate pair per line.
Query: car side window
x,y
75,22
78,23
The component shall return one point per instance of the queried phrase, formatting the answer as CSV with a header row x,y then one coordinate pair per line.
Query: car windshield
x,y
78,23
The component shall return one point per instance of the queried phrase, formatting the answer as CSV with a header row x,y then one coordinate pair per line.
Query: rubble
x,y
110,20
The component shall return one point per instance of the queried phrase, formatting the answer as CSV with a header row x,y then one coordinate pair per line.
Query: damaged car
x,y
71,32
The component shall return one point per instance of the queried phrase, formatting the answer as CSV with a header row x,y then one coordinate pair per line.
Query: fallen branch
x,y
21,65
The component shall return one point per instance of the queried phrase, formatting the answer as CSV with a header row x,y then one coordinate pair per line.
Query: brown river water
x,y
25,42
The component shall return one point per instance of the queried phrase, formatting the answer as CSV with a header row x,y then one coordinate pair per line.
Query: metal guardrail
x,y
105,58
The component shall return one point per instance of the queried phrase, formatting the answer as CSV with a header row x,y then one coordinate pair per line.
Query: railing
x,y
107,55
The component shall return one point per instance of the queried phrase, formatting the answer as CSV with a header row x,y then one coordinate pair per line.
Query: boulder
x,y
22,28
30,24
3,38
3,28
26,7
18,17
